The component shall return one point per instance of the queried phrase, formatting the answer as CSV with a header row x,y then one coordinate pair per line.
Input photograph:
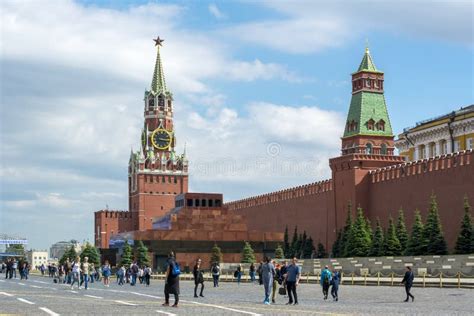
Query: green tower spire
x,y
368,113
158,83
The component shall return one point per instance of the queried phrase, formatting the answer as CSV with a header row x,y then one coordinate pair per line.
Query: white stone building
x,y
37,257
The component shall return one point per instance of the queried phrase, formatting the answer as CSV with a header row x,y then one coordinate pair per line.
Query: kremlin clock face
x,y
161,138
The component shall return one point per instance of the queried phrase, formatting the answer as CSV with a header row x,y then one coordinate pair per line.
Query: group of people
x,y
10,267
132,273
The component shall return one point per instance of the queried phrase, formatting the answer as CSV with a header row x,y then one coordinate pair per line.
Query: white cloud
x,y
214,10
312,26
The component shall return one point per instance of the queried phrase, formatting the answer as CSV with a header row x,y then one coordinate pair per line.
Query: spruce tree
x,y
70,253
321,252
436,245
346,232
416,243
392,244
279,254
294,243
286,244
91,253
248,255
336,246
308,248
378,245
142,251
359,242
401,229
126,255
216,254
465,241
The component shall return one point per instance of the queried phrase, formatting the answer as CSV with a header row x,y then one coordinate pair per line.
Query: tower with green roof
x,y
368,129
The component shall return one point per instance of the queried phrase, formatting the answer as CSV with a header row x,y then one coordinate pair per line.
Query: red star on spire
x,y
158,41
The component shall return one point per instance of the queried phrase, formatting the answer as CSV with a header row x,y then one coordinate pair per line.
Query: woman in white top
x,y
76,271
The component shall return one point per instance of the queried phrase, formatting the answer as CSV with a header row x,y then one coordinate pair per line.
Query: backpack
x,y
236,273
215,269
175,270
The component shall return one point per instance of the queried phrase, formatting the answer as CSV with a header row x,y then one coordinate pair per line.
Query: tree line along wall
x,y
409,187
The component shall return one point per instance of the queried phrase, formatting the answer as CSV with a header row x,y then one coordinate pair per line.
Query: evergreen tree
x,y
465,241
126,255
336,246
286,244
433,231
416,243
321,251
91,253
401,230
368,227
346,232
216,254
143,257
302,244
392,244
69,253
294,243
248,255
308,248
378,245
279,254
359,241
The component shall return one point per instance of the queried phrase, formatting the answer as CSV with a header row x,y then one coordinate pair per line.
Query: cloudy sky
x,y
261,93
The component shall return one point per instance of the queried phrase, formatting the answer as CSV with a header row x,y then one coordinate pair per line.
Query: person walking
x,y
134,271
408,281
68,271
259,271
106,273
14,267
92,273
336,279
85,268
198,278
276,280
121,275
238,273
216,271
61,274
147,275
325,281
252,272
76,270
268,273
292,279
172,280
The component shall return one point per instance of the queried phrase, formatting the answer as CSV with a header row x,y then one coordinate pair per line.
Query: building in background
x,y
57,250
438,136
37,257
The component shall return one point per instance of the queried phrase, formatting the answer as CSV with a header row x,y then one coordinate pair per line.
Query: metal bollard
x,y
352,274
424,279
365,278
378,278
392,279
441,279
459,280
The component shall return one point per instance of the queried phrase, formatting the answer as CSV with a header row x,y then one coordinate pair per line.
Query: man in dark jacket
x,y
408,281
172,281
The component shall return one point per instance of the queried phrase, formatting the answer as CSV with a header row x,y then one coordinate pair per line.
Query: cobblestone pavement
x,y
40,296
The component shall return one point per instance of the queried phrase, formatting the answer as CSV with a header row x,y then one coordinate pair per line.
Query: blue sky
x,y
261,93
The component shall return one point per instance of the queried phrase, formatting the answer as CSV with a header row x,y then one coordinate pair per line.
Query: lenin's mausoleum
x,y
368,174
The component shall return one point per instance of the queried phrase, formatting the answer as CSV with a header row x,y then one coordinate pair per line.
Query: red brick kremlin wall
x,y
410,186
380,191
309,206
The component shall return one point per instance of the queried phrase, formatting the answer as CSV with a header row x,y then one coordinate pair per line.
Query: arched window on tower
x,y
151,102
381,125
383,149
370,124
368,149
161,102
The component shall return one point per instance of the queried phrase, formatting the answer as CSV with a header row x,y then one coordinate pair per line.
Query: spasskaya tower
x,y
156,174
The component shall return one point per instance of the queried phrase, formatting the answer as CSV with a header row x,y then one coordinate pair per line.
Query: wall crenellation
x,y
433,164
282,195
